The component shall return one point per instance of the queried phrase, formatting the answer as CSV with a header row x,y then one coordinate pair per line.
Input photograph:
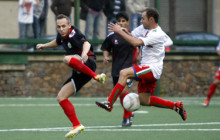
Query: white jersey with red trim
x,y
153,51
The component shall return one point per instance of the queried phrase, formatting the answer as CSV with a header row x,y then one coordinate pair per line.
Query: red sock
x,y
69,110
79,66
115,93
158,102
211,90
127,114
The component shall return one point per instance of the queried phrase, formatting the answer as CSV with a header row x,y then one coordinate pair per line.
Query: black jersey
x,y
73,43
122,52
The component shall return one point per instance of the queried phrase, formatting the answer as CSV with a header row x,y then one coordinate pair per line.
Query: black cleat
x,y
127,122
105,105
179,109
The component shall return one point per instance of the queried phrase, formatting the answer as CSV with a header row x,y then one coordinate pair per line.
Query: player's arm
x,y
51,44
86,48
218,52
106,57
117,29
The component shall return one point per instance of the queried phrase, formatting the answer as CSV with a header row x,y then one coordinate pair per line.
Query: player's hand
x,y
114,27
85,58
106,60
40,46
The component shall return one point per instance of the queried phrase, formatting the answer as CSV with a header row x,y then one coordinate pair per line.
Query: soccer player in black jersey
x,y
123,55
80,57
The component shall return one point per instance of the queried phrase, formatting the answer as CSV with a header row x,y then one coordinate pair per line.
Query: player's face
x,y
145,21
63,27
123,22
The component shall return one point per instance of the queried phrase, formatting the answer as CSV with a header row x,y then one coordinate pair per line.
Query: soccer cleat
x,y
100,78
75,131
105,105
129,83
206,102
127,122
179,109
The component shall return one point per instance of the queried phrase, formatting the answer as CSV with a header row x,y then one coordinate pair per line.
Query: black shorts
x,y
80,79
115,80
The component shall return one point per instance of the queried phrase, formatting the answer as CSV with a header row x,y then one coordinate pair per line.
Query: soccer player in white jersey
x,y
215,83
150,69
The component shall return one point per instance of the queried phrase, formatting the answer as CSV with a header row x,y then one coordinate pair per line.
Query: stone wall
x,y
44,76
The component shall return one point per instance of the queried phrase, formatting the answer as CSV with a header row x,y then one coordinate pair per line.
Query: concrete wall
x,y
216,17
43,75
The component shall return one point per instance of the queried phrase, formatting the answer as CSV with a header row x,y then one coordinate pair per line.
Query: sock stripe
x,y
116,93
159,105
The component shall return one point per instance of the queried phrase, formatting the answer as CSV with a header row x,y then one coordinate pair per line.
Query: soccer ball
x,y
131,102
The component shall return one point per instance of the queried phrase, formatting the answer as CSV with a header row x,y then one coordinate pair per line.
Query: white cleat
x,y
75,131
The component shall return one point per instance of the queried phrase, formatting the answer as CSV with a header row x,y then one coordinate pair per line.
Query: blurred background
x,y
190,64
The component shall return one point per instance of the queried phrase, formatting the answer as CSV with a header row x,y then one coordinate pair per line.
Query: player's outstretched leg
x,y
75,131
100,78
179,109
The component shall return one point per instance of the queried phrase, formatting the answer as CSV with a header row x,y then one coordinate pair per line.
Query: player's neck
x,y
154,26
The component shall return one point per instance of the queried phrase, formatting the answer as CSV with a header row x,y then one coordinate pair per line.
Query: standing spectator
x,y
62,7
215,83
112,8
135,8
84,9
93,19
25,18
123,54
40,15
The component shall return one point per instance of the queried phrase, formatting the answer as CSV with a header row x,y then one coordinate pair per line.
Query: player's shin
x,y
69,110
127,114
158,102
115,93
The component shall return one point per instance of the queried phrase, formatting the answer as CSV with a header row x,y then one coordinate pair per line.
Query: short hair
x,y
122,15
152,12
61,16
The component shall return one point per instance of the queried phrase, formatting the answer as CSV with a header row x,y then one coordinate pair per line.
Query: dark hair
x,y
123,15
152,12
61,16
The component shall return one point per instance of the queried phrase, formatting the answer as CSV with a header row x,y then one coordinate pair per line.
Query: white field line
x,y
119,129
45,105
92,104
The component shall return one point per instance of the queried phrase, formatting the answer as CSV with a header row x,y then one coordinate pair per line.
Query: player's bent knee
x,y
123,73
66,59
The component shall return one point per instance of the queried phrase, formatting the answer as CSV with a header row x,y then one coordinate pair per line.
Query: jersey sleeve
x,y
168,41
58,39
137,32
107,44
153,39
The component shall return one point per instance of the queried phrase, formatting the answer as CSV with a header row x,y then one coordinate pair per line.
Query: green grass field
x,y
43,119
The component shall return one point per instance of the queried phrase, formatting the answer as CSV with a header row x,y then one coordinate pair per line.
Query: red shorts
x,y
217,74
147,82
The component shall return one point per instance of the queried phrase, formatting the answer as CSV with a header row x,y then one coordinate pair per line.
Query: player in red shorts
x,y
150,69
215,83
123,56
